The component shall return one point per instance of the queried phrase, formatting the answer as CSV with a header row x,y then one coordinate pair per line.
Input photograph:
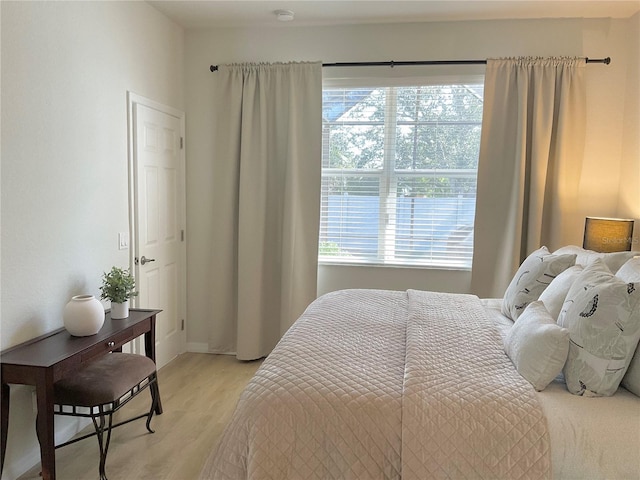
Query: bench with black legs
x,y
103,387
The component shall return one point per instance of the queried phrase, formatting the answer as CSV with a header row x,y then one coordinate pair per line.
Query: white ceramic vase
x,y
119,310
83,316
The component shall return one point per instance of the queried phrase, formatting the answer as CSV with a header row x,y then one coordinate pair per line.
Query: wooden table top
x,y
56,346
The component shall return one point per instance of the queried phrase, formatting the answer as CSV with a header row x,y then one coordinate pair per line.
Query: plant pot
x,y
83,316
119,310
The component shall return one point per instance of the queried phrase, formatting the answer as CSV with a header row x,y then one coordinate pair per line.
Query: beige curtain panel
x,y
531,152
267,203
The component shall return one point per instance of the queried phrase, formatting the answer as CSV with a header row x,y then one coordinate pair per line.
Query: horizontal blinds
x,y
399,174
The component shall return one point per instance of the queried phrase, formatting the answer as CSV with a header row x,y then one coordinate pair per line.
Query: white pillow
x,y
630,271
533,276
602,314
553,296
613,260
537,346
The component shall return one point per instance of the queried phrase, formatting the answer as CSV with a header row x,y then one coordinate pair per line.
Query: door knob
x,y
144,260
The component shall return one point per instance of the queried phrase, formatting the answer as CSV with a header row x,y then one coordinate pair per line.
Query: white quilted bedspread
x,y
467,413
372,384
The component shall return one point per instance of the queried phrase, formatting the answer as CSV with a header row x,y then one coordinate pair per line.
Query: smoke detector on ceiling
x,y
284,15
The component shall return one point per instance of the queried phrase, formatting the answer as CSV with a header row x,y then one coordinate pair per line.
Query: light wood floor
x,y
199,393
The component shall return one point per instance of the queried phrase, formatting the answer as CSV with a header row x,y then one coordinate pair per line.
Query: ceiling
x,y
245,13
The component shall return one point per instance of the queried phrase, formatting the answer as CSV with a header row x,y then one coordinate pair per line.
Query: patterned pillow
x,y
602,314
630,272
537,346
553,296
533,276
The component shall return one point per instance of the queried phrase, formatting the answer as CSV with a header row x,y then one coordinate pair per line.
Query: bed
x,y
376,384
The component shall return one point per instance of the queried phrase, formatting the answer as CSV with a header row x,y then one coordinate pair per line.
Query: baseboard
x,y
198,347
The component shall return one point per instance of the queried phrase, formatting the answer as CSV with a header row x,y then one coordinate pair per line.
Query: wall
x,y
611,176
629,199
66,69
607,111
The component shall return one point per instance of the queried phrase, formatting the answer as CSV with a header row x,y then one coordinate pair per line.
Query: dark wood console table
x,y
45,360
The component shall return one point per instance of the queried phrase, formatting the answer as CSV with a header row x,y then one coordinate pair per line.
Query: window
x,y
399,167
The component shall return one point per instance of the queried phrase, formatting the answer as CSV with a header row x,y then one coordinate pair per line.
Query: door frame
x,y
132,100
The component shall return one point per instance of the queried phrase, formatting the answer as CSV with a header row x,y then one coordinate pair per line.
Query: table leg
x,y
4,423
150,351
44,425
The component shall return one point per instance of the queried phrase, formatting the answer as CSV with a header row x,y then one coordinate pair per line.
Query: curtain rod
x,y
392,63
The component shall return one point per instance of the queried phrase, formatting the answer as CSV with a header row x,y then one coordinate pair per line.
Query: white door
x,y
159,220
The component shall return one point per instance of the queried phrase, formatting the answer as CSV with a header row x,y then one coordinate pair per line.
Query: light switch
x,y
123,240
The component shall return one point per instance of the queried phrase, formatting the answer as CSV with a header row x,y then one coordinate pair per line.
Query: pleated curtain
x,y
267,169
531,152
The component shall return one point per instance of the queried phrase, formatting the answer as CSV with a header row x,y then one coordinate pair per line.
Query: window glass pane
x,y
353,128
353,105
440,103
351,209
434,219
355,146
437,146
438,126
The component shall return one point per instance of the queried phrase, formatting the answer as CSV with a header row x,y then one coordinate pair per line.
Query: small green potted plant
x,y
118,286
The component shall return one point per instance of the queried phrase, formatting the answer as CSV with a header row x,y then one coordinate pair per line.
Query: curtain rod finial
x,y
605,61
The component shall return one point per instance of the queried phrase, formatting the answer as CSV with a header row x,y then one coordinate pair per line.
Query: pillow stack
x,y
577,319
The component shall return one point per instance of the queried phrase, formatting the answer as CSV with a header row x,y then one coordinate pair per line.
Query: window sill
x,y
439,266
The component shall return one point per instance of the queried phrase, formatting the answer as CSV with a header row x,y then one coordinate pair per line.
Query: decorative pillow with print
x,y
533,276
602,314
630,272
